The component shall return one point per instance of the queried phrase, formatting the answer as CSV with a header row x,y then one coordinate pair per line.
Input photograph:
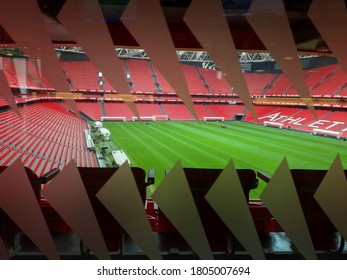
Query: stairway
x,y
129,80
155,78
162,110
270,85
103,108
208,109
203,80
36,79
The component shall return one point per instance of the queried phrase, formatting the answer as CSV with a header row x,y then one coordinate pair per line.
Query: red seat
x,y
200,181
9,229
322,231
94,179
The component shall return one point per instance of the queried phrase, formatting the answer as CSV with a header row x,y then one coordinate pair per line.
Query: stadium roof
x,y
306,36
187,55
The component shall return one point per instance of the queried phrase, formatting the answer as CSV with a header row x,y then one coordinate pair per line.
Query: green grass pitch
x,y
160,145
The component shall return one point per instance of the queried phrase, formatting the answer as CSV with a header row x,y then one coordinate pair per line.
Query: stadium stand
x,y
314,78
24,75
291,91
202,111
332,83
118,110
141,75
91,109
177,112
194,80
3,102
146,110
21,73
83,75
10,72
49,138
284,115
226,111
307,119
162,85
33,70
279,86
331,121
318,76
342,91
215,81
257,83
295,118
260,111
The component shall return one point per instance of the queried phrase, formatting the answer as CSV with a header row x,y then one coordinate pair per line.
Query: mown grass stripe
x,y
160,144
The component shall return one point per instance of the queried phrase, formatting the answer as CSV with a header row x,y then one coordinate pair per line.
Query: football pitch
x,y
159,145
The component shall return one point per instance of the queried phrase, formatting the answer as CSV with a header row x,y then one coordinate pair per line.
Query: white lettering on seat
x,y
319,122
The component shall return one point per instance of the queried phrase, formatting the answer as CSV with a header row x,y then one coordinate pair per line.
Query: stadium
x,y
173,130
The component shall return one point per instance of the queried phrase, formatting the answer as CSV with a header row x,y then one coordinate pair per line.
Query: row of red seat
x,y
142,75
220,239
22,73
301,119
296,118
173,111
46,137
